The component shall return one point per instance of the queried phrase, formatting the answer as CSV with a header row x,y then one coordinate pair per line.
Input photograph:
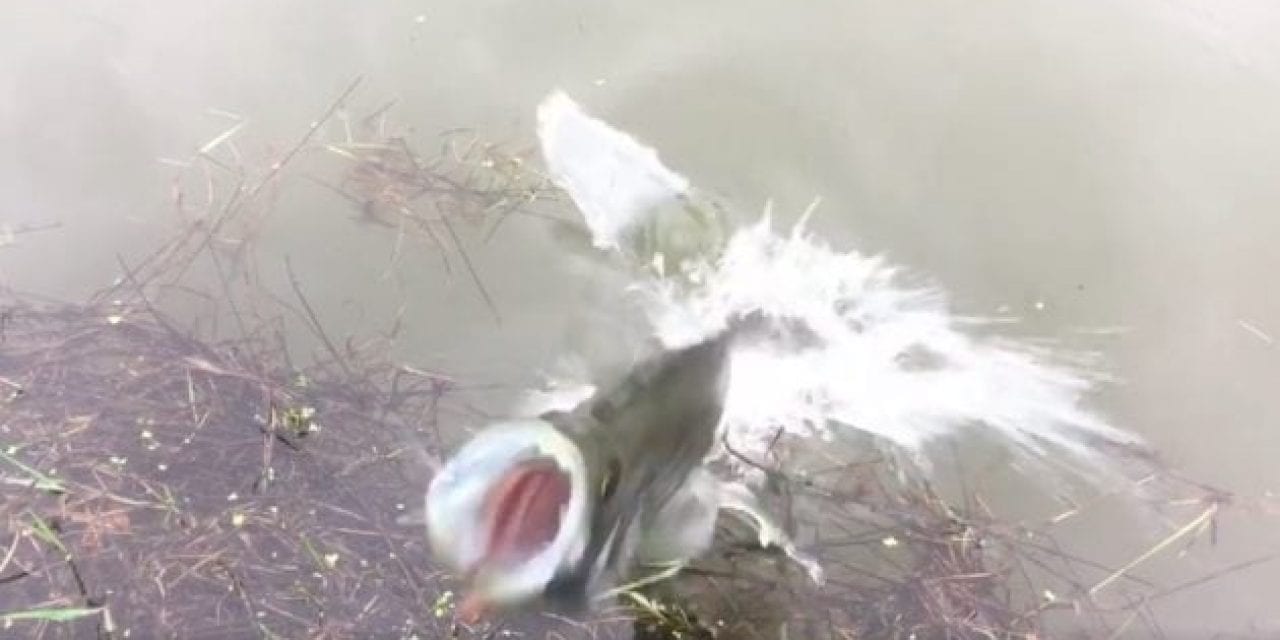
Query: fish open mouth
x,y
509,512
522,511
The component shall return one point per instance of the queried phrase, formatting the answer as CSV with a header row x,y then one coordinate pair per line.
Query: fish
x,y
560,508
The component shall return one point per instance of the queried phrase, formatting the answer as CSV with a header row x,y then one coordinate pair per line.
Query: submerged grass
x,y
34,478
163,481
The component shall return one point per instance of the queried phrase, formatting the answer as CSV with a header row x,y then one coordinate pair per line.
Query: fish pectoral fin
x,y
737,497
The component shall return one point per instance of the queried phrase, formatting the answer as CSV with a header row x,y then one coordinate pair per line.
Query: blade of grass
x,y
42,530
221,138
65,614
38,480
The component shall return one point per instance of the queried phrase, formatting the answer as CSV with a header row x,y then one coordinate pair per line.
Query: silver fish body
x,y
632,454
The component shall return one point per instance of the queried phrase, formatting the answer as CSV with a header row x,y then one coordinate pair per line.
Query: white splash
x,y
613,178
891,359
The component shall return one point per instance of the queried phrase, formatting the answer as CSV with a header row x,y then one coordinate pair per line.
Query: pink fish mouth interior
x,y
522,511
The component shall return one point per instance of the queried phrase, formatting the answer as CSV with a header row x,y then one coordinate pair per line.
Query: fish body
x,y
555,508
644,440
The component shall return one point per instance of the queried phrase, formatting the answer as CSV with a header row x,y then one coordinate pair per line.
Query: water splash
x,y
890,358
612,178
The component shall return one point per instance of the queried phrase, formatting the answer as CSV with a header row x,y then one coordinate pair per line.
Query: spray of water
x,y
889,358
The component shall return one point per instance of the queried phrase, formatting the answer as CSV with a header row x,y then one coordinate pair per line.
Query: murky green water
x,y
1086,165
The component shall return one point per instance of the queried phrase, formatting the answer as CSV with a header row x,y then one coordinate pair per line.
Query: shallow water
x,y
1086,167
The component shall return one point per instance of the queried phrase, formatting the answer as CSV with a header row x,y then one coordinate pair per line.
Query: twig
x,y
475,277
1239,566
1162,545
314,322
306,137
